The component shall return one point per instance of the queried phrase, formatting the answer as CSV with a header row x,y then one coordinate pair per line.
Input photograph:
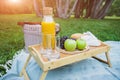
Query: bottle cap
x,y
47,10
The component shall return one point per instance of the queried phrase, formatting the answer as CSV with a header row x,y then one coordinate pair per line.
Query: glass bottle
x,y
48,28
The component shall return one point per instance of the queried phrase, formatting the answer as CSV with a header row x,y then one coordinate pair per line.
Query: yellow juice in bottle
x,y
48,28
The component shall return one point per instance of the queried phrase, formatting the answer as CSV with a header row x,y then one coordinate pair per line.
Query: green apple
x,y
81,44
70,45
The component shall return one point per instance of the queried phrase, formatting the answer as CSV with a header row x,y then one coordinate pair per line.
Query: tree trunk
x,y
88,7
98,7
77,9
105,8
59,8
63,9
36,8
94,8
66,7
73,9
43,3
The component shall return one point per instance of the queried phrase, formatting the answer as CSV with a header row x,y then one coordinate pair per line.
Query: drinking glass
x,y
50,46
55,53
43,50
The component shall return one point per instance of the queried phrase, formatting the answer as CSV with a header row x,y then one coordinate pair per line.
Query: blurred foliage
x,y
115,8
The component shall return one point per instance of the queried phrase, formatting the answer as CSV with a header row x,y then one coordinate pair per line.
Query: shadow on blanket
x,y
89,69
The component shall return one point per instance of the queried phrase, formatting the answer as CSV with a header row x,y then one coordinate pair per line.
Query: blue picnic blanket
x,y
89,69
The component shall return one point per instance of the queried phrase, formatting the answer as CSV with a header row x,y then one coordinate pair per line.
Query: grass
x,y
12,40
107,29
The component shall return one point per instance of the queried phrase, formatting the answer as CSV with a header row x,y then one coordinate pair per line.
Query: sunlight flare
x,y
14,1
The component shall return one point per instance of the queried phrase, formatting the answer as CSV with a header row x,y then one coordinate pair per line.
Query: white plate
x,y
74,52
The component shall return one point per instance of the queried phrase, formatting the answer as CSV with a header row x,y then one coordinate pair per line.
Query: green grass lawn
x,y
12,40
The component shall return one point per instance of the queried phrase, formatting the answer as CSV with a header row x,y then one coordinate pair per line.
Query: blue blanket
x,y
89,69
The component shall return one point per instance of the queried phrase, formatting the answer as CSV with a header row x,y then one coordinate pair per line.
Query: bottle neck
x,y
48,18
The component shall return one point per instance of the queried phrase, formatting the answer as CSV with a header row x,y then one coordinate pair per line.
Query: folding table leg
x,y
23,72
108,59
43,76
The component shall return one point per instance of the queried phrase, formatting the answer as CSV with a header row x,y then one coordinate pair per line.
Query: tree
x,y
36,8
63,8
79,8
95,9
38,5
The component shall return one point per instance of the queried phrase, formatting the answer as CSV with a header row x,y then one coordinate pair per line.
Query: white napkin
x,y
91,39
